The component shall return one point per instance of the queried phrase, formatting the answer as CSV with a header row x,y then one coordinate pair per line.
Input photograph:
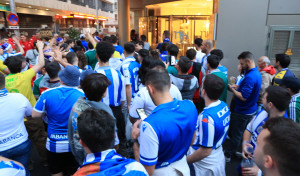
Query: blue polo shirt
x,y
249,87
84,44
167,133
58,103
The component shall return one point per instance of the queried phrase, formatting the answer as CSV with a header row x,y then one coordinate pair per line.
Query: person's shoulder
x,y
135,168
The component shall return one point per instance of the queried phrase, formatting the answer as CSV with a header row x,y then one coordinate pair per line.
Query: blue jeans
x,y
20,153
238,124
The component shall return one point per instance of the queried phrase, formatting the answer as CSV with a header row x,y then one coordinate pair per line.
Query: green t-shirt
x,y
172,70
36,87
294,108
224,78
91,58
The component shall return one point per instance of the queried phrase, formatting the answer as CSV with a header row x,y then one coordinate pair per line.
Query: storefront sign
x,y
4,8
13,27
181,35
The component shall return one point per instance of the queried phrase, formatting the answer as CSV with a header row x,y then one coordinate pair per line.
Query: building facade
x,y
262,27
57,15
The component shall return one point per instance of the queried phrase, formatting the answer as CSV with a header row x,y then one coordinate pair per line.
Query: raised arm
x,y
17,42
41,60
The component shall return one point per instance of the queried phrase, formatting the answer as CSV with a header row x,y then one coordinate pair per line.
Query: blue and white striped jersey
x,y
255,126
6,55
58,103
223,69
11,168
129,70
116,90
212,126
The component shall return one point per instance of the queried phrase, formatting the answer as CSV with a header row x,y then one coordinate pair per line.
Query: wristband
x,y
246,142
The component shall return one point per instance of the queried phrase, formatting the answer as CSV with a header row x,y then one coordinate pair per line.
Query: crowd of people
x,y
94,107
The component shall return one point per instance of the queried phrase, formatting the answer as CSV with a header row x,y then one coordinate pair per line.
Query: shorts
x,y
62,162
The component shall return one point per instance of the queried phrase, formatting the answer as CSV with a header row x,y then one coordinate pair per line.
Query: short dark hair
x,y
283,144
213,86
292,83
147,64
218,53
52,69
140,43
279,96
164,46
159,78
104,51
213,61
113,39
198,41
283,59
106,39
64,46
71,56
184,64
143,38
143,53
246,55
96,129
14,64
94,86
90,45
129,47
155,55
173,50
191,54
167,34
69,41
2,81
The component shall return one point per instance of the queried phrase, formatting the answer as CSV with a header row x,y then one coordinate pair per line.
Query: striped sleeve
x,y
206,131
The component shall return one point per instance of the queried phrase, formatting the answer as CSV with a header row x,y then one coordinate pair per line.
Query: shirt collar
x,y
283,69
97,157
213,104
252,69
3,92
296,95
129,59
65,86
104,68
215,70
170,105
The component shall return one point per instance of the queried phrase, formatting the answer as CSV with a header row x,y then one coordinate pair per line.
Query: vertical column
x,y
124,21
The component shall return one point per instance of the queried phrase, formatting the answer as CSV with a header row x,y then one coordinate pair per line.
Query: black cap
x,y
291,82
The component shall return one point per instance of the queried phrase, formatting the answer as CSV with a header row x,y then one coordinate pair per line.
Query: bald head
x,y
263,62
207,46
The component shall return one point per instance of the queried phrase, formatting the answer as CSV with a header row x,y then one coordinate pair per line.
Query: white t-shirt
x,y
14,106
199,56
143,100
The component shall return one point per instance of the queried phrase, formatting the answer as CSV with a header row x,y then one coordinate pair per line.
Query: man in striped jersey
x,y
292,84
129,70
206,153
275,101
115,96
96,131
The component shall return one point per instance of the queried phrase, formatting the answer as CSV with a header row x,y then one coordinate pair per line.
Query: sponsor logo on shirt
x,y
11,138
204,120
59,137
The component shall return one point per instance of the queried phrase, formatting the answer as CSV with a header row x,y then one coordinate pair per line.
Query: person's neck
x,y
103,64
54,79
180,73
208,51
129,55
272,172
115,44
252,65
75,63
280,68
212,69
198,48
275,113
208,101
162,98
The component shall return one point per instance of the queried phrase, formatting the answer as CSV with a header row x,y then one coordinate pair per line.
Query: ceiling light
x,y
29,6
7,3
57,14
47,9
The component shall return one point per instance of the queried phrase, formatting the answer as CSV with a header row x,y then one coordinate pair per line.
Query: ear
x,y
269,162
150,89
104,94
270,104
82,143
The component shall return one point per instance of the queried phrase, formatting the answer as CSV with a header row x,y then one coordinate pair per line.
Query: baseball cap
x,y
82,36
6,46
292,83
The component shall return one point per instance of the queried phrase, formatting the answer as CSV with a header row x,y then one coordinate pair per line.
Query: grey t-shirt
x,y
73,136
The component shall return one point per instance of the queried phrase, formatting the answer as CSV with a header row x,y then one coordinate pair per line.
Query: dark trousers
x,y
117,111
38,136
238,124
20,153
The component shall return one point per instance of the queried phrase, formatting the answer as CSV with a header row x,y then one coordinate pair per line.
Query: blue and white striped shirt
x,y
212,126
6,55
116,90
129,70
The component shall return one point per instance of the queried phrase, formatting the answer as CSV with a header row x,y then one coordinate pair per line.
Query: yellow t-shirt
x,y
21,83
2,66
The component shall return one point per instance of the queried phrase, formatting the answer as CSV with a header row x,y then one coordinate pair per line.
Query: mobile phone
x,y
171,60
141,112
